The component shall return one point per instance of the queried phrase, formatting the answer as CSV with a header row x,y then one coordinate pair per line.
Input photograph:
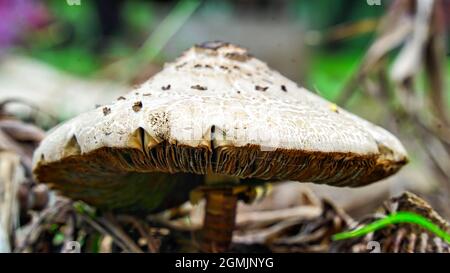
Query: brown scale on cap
x,y
240,54
106,110
199,87
261,88
137,106
237,56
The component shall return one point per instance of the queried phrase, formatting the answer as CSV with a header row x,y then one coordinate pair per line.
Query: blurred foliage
x,y
329,71
75,60
138,15
68,43
75,42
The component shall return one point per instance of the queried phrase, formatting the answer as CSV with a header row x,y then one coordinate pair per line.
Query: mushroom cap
x,y
215,110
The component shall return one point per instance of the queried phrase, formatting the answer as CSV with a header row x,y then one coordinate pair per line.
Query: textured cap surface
x,y
215,110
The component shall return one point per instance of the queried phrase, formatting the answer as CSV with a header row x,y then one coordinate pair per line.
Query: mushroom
x,y
214,123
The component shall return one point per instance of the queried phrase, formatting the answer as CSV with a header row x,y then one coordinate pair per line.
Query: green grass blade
x,y
395,218
161,35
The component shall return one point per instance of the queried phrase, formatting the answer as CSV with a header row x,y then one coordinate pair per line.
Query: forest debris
x,y
299,234
20,131
50,89
20,138
268,217
400,237
420,26
18,192
12,175
109,222
75,221
144,232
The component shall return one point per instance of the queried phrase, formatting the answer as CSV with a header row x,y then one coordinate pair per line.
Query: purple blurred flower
x,y
17,17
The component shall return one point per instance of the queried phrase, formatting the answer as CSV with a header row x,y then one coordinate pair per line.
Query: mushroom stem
x,y
220,217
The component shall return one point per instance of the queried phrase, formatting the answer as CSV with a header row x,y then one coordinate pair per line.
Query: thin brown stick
x,y
109,222
143,231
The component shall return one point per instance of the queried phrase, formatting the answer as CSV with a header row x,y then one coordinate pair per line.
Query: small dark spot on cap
x,y
97,106
146,94
137,106
208,66
167,87
223,67
106,110
236,67
199,87
283,87
197,66
121,98
261,88
137,93
239,92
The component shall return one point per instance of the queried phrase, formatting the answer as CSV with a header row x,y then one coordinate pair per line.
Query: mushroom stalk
x,y
220,217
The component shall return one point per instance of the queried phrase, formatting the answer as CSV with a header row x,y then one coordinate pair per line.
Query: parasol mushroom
x,y
215,122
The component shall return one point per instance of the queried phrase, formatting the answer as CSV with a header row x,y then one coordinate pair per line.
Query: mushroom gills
x,y
165,166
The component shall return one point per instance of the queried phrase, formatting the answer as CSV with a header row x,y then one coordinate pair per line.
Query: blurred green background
x,y
318,43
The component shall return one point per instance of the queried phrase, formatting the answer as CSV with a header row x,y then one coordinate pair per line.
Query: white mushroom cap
x,y
218,110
